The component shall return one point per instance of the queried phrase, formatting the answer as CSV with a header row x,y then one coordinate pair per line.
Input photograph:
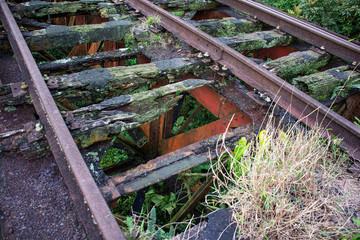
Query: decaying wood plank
x,y
125,112
38,9
226,27
169,164
320,86
297,63
257,40
100,122
186,5
34,23
94,85
57,36
81,61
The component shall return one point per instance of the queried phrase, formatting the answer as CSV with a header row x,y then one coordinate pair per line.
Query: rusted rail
x,y
299,28
303,107
93,210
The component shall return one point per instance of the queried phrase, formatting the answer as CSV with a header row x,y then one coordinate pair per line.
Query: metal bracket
x,y
52,83
16,90
31,133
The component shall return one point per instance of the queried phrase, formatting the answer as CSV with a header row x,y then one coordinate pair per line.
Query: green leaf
x,y
156,198
129,223
356,221
152,221
240,148
356,236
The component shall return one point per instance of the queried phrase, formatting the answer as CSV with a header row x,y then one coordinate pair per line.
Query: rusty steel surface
x,y
93,210
214,102
203,132
306,31
165,166
303,107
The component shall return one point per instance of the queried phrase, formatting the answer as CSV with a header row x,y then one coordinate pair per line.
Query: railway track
x,y
144,97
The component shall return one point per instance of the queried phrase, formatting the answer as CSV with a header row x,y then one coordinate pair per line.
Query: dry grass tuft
x,y
288,186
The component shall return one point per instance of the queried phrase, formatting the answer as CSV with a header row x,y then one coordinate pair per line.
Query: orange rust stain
x,y
273,53
214,14
201,133
142,59
146,129
189,76
214,102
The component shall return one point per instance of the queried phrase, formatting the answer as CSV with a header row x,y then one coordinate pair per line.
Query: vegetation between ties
x,y
288,184
341,16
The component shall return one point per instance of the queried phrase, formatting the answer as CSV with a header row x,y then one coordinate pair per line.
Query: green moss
x,y
127,135
130,62
202,5
178,13
124,204
113,156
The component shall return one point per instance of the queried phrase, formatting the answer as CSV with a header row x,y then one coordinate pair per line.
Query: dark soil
x,y
34,200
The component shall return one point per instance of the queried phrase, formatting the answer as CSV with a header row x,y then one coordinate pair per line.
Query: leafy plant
x,y
167,202
355,236
144,227
177,125
341,16
282,185
235,165
152,21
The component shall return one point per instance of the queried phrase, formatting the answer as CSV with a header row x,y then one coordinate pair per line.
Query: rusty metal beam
x,y
303,107
94,213
203,132
169,164
306,31
214,102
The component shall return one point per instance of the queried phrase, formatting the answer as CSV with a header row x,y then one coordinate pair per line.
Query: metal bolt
x,y
24,86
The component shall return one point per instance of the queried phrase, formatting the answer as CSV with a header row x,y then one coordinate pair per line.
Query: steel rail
x,y
94,212
306,31
302,106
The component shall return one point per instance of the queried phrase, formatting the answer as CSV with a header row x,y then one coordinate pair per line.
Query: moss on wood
x,y
297,63
39,9
226,26
321,86
256,40
62,36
